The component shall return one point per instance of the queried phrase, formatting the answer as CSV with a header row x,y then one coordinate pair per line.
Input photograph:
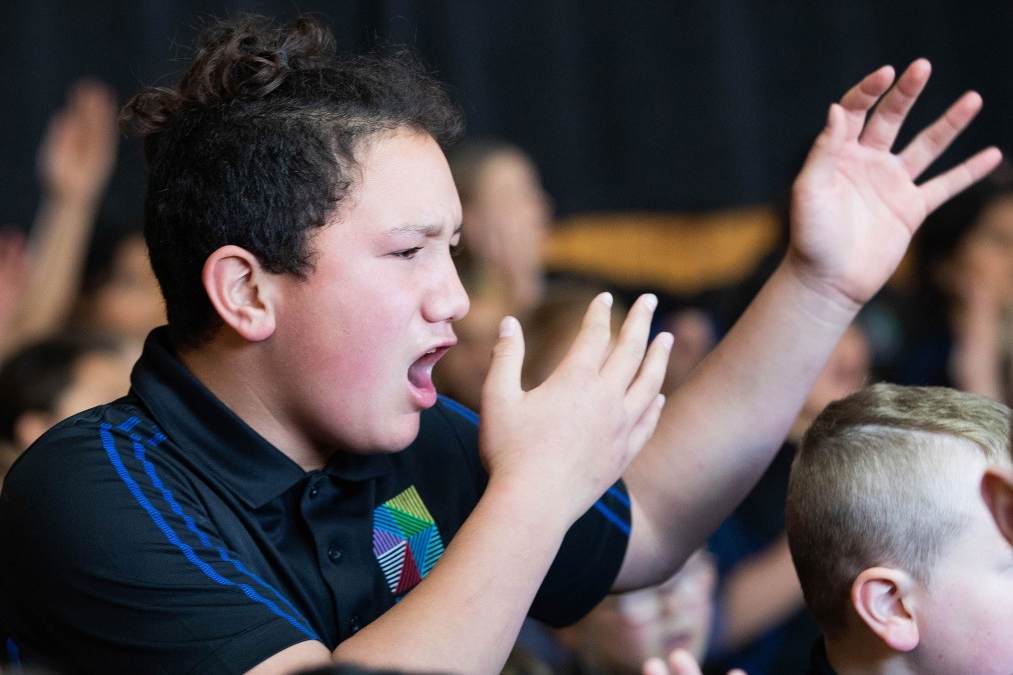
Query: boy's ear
x,y
884,598
997,491
240,290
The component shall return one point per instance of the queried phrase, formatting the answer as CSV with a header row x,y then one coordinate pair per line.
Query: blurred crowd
x,y
77,298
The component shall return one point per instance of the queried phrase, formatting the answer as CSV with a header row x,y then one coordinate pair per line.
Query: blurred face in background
x,y
628,628
127,301
509,202
846,371
97,376
985,254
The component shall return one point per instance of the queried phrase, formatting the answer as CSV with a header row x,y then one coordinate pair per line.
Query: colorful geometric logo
x,y
406,541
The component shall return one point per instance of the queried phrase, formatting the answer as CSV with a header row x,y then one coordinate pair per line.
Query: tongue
x,y
420,373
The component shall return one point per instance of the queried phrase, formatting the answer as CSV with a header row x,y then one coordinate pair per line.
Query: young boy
x,y
283,472
898,557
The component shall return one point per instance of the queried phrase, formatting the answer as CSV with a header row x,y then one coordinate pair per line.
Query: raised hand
x,y
573,436
78,152
855,204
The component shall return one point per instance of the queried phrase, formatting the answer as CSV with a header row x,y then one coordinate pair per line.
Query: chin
x,y
398,436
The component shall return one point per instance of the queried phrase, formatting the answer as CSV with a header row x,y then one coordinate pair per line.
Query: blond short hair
x,y
865,485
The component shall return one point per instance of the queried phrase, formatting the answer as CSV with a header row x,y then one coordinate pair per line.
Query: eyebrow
x,y
429,230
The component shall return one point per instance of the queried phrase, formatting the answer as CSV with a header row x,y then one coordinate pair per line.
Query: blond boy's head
x,y
885,514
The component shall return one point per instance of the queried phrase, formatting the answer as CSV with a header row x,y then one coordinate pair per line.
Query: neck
x,y
850,656
230,367
798,427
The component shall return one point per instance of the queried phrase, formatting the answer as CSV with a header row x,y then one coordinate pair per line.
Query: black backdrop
x,y
640,104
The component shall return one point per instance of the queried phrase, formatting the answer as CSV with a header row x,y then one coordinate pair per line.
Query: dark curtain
x,y
680,105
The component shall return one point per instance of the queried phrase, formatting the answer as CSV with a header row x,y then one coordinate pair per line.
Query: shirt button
x,y
355,625
334,553
314,491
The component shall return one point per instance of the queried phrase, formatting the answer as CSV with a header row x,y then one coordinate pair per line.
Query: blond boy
x,y
898,557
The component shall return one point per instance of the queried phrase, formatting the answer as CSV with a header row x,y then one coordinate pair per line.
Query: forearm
x,y
466,614
721,429
60,237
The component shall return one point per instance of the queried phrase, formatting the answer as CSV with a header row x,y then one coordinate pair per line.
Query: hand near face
x,y
855,204
680,662
565,441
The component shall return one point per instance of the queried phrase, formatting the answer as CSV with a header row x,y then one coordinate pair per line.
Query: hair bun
x,y
247,57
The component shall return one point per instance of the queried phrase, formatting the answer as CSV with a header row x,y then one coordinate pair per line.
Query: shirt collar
x,y
214,439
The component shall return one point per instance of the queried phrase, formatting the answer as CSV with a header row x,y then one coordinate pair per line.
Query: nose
x,y
447,299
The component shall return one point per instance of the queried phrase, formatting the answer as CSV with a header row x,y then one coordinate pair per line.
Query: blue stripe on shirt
x,y
108,443
463,411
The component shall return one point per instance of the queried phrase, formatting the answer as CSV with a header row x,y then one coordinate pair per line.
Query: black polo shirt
x,y
160,533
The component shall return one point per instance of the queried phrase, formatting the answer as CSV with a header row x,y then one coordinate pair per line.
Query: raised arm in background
x,y
76,158
855,207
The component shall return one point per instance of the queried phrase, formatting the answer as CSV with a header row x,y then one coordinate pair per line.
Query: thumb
x,y
503,381
821,162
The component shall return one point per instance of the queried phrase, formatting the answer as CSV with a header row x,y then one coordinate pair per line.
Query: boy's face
x,y
356,341
966,613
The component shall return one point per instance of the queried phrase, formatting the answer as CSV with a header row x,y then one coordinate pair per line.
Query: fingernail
x,y
507,326
666,339
651,301
607,299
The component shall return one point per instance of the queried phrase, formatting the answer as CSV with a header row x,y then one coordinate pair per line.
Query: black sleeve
x,y
588,561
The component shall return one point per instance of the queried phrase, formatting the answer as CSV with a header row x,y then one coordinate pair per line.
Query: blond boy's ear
x,y
240,290
997,491
885,600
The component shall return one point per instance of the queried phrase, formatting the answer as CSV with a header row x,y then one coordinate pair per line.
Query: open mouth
x,y
420,376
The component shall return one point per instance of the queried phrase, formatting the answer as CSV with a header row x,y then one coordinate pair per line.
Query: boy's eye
x,y
407,253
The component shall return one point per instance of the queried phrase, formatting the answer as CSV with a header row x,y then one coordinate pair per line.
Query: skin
x,y
964,610
461,372
128,303
953,623
508,220
979,276
339,345
627,629
764,590
846,371
679,662
340,351
856,205
76,158
98,377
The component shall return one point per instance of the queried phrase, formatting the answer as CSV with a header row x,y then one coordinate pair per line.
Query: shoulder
x,y
82,478
79,442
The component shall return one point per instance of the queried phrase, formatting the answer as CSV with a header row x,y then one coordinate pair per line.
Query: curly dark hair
x,y
256,147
